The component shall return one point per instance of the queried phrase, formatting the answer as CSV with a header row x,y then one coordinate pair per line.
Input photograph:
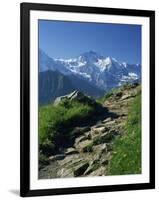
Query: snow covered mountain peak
x,y
90,56
103,72
45,62
108,60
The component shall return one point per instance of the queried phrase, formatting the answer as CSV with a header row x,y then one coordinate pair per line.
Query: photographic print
x,y
87,99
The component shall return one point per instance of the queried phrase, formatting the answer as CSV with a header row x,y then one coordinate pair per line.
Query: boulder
x,y
65,173
88,135
65,97
59,157
75,162
99,172
107,120
70,160
95,157
82,145
104,138
126,96
98,130
75,95
59,99
80,169
51,158
71,151
112,122
80,139
101,148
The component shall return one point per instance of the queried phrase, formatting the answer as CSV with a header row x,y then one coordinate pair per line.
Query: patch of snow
x,y
133,75
124,64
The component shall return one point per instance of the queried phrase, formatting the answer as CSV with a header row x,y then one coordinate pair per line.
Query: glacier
x,y
100,71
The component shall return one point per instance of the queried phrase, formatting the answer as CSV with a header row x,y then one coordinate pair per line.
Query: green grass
x,y
115,91
57,122
126,157
107,95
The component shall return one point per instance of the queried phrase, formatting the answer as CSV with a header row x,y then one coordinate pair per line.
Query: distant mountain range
x,y
90,73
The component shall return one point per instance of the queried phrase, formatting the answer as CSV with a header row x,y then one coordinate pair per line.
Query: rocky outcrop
x,y
75,95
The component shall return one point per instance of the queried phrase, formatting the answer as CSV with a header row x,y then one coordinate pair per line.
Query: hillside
x,y
82,137
53,84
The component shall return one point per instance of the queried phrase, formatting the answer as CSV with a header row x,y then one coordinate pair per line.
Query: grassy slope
x,y
55,123
126,157
107,95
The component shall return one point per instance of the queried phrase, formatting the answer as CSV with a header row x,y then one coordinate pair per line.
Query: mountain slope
x,y
53,84
84,86
46,63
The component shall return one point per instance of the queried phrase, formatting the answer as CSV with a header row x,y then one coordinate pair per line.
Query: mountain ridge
x,y
53,84
91,72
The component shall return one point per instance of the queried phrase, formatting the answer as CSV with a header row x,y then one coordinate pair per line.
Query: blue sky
x,y
70,39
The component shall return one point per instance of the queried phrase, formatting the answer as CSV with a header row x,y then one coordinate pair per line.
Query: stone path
x,y
91,151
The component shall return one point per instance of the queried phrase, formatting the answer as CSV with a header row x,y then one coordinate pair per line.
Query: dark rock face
x,y
53,84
